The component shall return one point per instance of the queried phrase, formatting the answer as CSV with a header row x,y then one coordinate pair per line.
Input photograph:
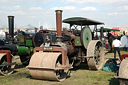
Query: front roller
x,y
95,53
5,67
123,72
48,66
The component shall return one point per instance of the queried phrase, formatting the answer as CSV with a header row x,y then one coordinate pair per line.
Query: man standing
x,y
116,44
103,42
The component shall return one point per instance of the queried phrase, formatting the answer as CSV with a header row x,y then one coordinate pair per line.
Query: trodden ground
x,y
80,75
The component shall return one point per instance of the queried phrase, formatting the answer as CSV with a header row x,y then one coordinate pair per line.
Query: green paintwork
x,y
22,50
107,30
21,39
86,36
31,49
29,43
77,41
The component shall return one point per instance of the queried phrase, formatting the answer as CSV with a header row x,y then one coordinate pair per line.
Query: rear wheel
x,y
95,53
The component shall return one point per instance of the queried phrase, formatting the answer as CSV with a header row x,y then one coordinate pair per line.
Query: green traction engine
x,y
21,45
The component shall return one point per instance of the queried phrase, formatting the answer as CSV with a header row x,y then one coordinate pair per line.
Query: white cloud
x,y
76,1
24,1
89,9
32,16
70,7
10,8
124,8
64,8
35,8
3,1
1,11
20,12
96,1
17,6
114,13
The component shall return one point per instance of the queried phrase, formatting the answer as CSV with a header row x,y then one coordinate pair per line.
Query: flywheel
x,y
38,39
86,36
95,53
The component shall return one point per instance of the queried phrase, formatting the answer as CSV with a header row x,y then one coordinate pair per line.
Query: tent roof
x,y
107,30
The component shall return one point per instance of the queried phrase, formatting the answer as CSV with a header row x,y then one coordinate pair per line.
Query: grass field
x,y
79,76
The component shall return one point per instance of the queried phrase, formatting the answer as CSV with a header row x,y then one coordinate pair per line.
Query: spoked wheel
x,y
25,59
61,74
95,53
44,64
5,67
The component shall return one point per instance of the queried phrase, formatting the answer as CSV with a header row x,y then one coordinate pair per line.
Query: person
x,y
107,45
110,40
116,44
103,42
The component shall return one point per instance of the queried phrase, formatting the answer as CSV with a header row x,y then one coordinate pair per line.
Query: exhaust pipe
x,y
59,24
11,26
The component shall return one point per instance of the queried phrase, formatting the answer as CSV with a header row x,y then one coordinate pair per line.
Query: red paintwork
x,y
8,56
115,33
123,56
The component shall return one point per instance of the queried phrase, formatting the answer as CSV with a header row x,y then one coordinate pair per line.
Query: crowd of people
x,y
115,45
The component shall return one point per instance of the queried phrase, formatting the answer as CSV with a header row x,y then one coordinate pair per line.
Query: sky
x,y
113,13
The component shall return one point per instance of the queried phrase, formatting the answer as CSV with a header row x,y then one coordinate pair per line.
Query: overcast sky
x,y
112,12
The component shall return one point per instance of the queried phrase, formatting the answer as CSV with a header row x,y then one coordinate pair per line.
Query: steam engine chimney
x,y
11,26
59,24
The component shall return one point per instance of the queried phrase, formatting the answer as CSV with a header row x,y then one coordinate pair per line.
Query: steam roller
x,y
59,51
10,46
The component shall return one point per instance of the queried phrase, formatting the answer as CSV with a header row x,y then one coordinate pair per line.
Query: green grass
x,y
79,76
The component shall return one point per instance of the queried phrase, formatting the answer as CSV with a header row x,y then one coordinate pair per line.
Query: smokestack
x,y
11,26
59,23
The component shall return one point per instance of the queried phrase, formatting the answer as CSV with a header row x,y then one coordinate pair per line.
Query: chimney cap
x,y
10,16
58,11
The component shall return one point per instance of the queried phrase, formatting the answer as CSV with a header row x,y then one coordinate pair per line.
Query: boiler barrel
x,y
22,50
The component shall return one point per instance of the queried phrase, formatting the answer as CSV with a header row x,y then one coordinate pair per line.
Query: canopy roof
x,y
107,30
81,21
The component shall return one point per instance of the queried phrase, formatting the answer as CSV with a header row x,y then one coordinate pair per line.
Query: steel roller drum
x,y
47,60
86,36
38,39
123,70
